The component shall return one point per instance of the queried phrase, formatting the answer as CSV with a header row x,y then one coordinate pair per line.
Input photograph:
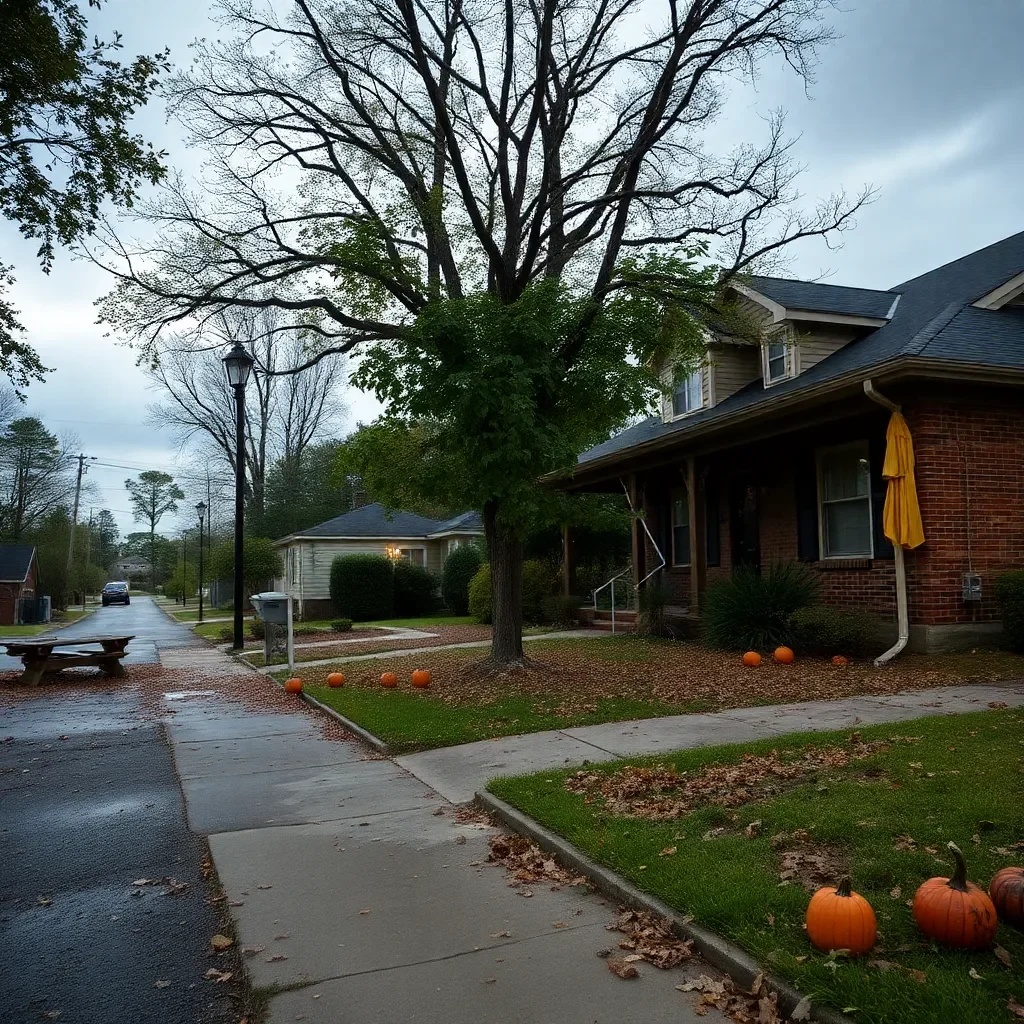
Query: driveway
x,y
91,803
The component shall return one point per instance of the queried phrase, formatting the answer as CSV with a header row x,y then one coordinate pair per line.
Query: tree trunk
x,y
505,552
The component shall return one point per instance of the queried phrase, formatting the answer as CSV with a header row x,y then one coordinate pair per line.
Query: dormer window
x,y
779,358
689,394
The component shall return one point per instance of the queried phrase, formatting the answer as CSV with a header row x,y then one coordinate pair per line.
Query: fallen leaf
x,y
972,973
221,942
753,829
770,918
219,976
54,1014
144,881
161,984
1015,1008
1003,956
364,911
669,851
276,957
559,924
490,981
500,935
252,950
896,892
264,887
802,1010
997,705
621,969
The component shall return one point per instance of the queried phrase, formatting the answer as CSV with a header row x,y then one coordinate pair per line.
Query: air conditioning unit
x,y
971,586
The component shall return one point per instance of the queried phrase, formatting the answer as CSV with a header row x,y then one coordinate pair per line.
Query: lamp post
x,y
238,366
201,512
184,568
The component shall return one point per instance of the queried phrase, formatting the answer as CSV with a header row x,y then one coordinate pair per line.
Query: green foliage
x,y
415,590
184,579
226,633
818,629
1009,591
480,595
65,108
538,584
754,610
35,476
341,625
256,628
561,610
261,562
301,493
652,599
459,568
363,587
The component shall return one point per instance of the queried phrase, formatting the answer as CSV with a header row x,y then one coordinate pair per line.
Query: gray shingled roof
x,y
934,319
15,562
824,298
377,521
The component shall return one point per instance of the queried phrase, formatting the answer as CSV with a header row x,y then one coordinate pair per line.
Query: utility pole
x,y
74,516
88,556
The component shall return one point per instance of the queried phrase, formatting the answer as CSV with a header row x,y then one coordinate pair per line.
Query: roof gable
x,y
15,562
815,297
377,521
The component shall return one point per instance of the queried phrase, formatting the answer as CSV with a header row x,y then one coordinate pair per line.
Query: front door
x,y
744,525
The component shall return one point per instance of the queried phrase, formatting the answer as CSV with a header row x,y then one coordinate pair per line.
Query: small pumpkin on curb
x,y
956,912
839,659
389,680
751,659
1007,892
335,679
784,655
293,686
839,918
421,679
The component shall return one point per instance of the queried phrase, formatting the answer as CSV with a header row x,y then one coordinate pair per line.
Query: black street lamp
x,y
238,366
201,512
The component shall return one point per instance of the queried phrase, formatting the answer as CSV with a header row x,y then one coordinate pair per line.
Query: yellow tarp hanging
x,y
901,519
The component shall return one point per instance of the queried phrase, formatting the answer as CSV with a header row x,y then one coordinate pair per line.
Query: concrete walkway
x,y
458,773
356,890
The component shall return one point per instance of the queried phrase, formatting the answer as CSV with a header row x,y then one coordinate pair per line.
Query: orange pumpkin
x,y
389,680
954,911
839,918
784,655
752,659
335,679
421,678
293,686
1007,892
838,659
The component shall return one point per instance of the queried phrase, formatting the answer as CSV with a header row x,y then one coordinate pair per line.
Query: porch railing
x,y
628,571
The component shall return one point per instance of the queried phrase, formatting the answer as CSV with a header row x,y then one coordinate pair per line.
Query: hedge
x,y
415,590
363,587
459,568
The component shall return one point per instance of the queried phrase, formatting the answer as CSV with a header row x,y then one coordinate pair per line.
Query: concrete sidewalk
x,y
458,773
354,887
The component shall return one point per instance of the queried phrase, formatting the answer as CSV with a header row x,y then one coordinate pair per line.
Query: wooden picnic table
x,y
40,656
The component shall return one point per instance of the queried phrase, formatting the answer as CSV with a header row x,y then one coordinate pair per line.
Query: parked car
x,y
115,593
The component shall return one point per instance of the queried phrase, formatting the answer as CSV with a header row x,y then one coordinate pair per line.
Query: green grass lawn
x,y
34,630
962,779
190,613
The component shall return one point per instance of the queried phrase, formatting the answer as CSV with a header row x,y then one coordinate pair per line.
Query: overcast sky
x,y
920,98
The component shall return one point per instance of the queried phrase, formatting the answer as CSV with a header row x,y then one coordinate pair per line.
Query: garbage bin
x,y
271,606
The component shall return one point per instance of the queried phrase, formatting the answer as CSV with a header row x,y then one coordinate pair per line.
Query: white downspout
x,y
902,613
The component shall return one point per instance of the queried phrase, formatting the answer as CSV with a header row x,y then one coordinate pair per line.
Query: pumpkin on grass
x,y
784,655
293,686
751,659
839,659
839,918
389,680
1007,892
335,679
421,678
956,912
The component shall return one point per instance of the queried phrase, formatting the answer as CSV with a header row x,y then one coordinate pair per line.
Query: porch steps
x,y
625,621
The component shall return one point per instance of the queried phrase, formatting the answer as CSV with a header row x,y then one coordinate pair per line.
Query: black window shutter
x,y
712,527
876,456
806,477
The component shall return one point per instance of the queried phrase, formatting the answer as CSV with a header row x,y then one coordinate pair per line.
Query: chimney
x,y
358,499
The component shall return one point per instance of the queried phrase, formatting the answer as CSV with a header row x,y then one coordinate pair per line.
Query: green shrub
x,y
818,629
226,633
363,587
415,588
300,630
538,584
459,568
480,595
341,625
561,610
257,630
651,618
754,611
1009,591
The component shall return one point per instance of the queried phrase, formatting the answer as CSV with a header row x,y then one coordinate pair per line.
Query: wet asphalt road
x,y
89,803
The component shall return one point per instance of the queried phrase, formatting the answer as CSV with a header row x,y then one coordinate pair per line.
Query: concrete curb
x,y
718,952
367,737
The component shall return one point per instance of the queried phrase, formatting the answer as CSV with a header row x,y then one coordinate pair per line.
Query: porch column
x,y
568,561
636,499
698,535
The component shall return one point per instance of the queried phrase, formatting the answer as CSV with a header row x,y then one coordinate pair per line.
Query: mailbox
x,y
271,606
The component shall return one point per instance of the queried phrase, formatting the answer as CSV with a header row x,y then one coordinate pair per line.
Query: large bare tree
x,y
479,194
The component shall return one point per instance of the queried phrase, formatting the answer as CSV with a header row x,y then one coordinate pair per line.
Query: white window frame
x,y
683,388
676,563
411,548
785,338
861,447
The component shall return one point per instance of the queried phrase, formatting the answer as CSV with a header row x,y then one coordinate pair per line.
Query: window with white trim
x,y
844,492
680,527
689,394
415,556
778,357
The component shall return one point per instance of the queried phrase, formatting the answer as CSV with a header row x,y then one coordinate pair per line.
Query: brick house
x,y
773,451
19,577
